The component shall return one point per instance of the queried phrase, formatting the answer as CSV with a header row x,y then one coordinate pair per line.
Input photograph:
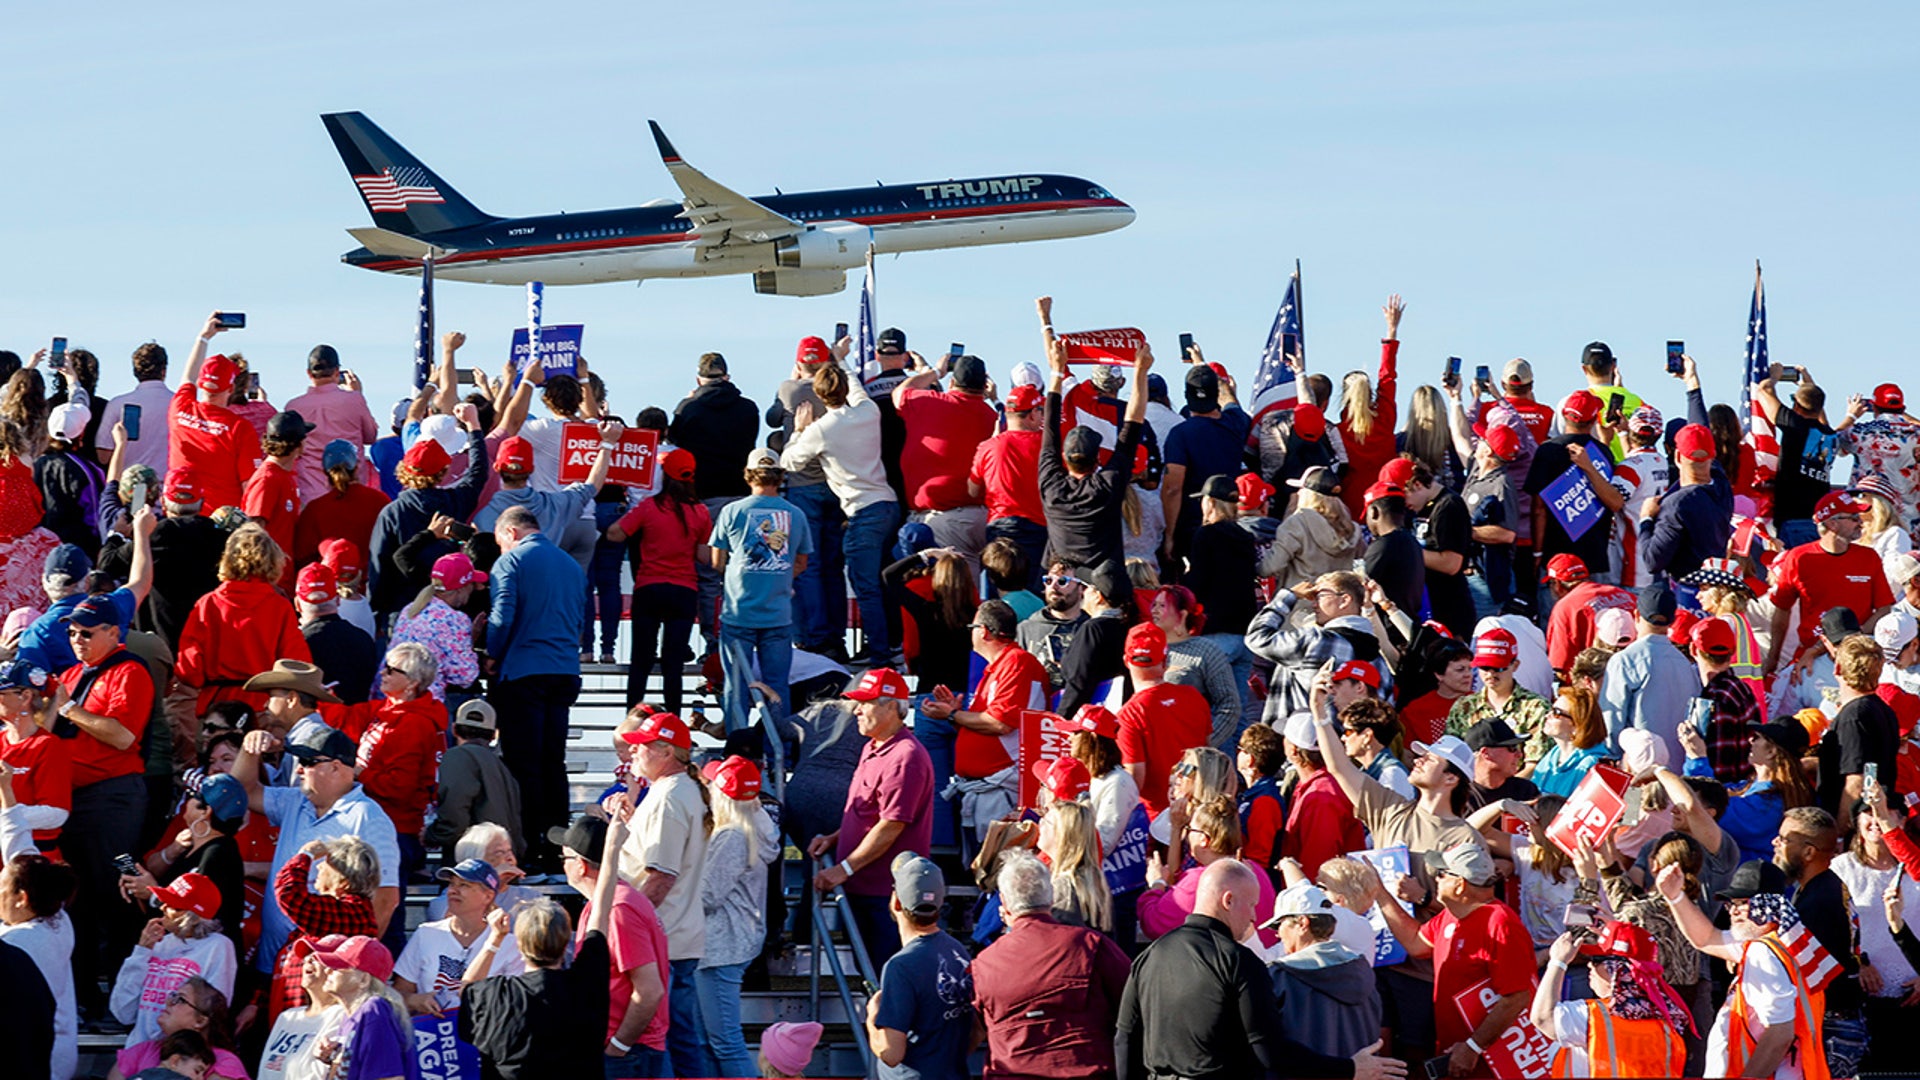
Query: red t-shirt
x,y
1012,684
42,773
337,515
635,939
212,440
1823,581
272,498
1321,825
125,693
666,547
943,429
1264,823
1007,466
1489,944
1425,717
1576,617
1537,416
1157,725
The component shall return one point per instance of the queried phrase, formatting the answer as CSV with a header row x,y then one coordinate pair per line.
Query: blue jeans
x,y
686,1035
720,1007
639,1063
820,591
603,583
1235,647
739,645
1797,531
869,535
1030,538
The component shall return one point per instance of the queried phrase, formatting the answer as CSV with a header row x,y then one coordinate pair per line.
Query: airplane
x,y
801,244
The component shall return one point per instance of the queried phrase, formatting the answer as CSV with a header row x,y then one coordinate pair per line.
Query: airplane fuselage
x,y
656,241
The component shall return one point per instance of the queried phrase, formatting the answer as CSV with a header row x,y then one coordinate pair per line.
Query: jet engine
x,y
799,282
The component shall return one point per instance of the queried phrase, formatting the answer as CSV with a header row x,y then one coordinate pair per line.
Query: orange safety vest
x,y
1748,659
1808,1011
1617,1047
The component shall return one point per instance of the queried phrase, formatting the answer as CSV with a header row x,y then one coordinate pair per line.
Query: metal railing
x,y
823,943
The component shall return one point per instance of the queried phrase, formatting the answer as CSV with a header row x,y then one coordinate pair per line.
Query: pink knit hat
x,y
789,1047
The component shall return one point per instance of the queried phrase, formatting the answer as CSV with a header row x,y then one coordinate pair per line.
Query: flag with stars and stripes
x,y
865,361
1274,385
1761,435
393,190
423,334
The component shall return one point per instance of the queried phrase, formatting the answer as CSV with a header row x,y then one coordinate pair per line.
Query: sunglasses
x,y
1060,580
389,669
83,633
1185,768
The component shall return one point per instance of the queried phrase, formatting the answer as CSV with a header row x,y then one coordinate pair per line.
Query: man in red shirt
x,y
1516,385
1577,604
272,497
1006,473
988,741
1476,940
1831,572
203,434
1161,721
944,428
101,707
1320,820
347,509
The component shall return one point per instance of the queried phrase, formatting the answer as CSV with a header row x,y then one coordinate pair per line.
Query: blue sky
x,y
1529,176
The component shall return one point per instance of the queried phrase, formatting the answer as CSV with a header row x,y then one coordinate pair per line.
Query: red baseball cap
x,y
1495,649
426,457
661,727
182,487
515,456
1024,398
1063,777
1694,443
1309,422
1503,441
1567,569
1254,492
1398,472
1887,396
1146,646
1098,719
880,683
1713,637
216,375
1680,631
1623,941
736,777
317,583
1384,490
343,555
678,463
454,569
1219,369
1359,671
812,350
1581,407
360,953
193,892
1835,503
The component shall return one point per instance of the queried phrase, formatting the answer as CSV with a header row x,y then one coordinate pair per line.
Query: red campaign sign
x,y
1103,346
633,463
1522,1052
1041,739
1592,811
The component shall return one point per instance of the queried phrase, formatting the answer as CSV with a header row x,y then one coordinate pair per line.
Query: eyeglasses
x,y
180,998
389,669
1060,581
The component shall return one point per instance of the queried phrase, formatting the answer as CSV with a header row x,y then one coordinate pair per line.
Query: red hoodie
x,y
236,632
400,748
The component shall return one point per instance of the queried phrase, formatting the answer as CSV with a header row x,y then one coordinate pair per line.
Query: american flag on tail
x,y
1761,435
393,190
1817,965
1274,387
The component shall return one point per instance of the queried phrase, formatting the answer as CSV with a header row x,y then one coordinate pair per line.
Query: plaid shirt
x,y
1734,707
314,916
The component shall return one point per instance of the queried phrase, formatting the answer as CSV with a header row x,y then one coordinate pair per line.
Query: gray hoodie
x,y
1328,999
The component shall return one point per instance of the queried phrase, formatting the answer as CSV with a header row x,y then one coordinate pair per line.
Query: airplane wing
x,y
719,214
395,245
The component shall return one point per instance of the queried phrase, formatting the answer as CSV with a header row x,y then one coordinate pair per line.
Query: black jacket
x,y
345,655
411,512
186,556
717,425
1094,654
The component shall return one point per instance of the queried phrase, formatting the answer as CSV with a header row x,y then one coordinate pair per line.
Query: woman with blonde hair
x,y
1546,873
1725,591
733,893
1203,775
1881,527
1428,437
1071,848
1368,415
1319,537
1215,835
240,628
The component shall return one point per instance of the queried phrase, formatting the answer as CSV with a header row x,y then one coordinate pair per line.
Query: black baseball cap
x,y
970,373
1597,355
1082,443
892,339
288,426
1753,878
1203,388
1493,732
1838,624
317,742
1657,603
585,836
1108,579
1219,486
1786,733
322,359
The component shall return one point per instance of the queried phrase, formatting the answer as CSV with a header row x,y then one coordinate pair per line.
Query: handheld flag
x,y
536,295
865,363
1761,435
423,335
1274,387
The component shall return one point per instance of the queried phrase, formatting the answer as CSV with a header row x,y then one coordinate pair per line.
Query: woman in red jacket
x,y
1368,415
240,628
401,737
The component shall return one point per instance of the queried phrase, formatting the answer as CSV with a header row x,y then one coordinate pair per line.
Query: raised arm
x,y
1137,397
447,377
140,573
198,354
1699,931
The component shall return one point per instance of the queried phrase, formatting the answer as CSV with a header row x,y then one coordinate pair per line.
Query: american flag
x,y
423,335
393,190
1816,964
1273,385
1761,435
863,348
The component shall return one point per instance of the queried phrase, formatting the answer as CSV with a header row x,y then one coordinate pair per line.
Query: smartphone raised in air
x,y
233,320
130,419
1676,350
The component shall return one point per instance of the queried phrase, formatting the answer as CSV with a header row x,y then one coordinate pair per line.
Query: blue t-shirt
x,y
763,533
44,642
927,992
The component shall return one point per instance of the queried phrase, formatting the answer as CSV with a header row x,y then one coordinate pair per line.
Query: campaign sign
x,y
632,462
1103,346
1592,811
437,1046
1571,499
1522,1052
1392,864
1126,865
1042,739
559,349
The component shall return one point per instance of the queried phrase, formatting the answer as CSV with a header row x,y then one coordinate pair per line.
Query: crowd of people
x,y
1487,737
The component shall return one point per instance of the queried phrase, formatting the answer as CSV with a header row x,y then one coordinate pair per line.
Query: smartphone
x,y
1616,409
1698,713
463,376
57,355
1484,376
1437,1068
1791,374
839,331
956,350
1871,771
1186,346
1676,350
1578,914
137,497
130,417
233,320
1453,369
1635,807
125,864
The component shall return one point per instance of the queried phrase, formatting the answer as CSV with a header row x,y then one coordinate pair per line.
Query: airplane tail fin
x,y
402,194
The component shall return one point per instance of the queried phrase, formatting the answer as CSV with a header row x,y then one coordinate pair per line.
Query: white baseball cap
x,y
1894,632
68,421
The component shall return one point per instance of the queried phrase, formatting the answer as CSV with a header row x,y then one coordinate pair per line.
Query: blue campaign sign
x,y
1571,499
1392,863
559,349
437,1045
